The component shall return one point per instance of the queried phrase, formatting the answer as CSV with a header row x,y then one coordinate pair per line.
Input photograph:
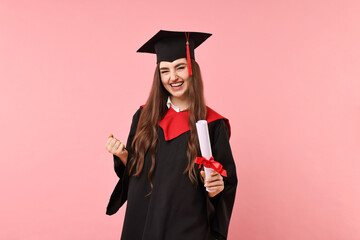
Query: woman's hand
x,y
115,147
215,182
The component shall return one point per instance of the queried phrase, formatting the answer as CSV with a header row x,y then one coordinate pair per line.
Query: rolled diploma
x,y
205,146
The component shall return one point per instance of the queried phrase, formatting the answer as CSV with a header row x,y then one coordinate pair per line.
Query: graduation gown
x,y
176,208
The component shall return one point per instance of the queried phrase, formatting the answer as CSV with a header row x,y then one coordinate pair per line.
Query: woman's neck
x,y
181,103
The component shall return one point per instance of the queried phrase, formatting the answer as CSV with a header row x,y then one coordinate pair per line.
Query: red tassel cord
x,y
188,54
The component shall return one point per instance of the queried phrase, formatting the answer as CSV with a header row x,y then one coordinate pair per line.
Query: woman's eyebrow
x,y
177,65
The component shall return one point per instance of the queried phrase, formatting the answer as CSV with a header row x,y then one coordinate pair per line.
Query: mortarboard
x,y
171,45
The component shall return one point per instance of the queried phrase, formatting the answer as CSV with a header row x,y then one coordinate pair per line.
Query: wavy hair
x,y
146,135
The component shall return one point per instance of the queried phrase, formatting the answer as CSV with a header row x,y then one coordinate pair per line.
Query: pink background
x,y
286,74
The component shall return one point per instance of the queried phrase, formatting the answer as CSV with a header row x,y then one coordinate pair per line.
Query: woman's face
x,y
175,77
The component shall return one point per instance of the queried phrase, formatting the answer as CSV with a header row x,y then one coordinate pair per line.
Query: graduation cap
x,y
171,45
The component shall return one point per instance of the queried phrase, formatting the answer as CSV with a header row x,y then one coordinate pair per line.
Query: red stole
x,y
176,123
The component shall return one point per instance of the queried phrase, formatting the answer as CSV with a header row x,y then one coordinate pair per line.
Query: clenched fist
x,y
115,147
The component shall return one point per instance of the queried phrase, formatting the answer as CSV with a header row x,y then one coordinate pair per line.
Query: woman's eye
x,y
181,68
164,72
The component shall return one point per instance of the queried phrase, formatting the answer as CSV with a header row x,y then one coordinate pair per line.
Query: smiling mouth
x,y
177,84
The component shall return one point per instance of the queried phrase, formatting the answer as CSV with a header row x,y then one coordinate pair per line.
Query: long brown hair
x,y
154,110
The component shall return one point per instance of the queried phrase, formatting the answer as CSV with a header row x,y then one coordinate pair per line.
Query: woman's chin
x,y
178,95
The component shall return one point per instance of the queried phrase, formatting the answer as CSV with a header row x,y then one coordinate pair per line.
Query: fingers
x,y
110,138
107,145
213,191
119,148
215,182
112,142
114,146
215,176
218,188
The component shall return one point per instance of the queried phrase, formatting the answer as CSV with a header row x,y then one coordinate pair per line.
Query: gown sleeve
x,y
119,194
220,207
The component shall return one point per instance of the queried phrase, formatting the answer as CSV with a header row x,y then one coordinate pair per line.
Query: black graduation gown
x,y
176,209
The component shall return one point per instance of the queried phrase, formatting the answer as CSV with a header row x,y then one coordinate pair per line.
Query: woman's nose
x,y
173,76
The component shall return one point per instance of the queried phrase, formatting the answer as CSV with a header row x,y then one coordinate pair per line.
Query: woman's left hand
x,y
215,182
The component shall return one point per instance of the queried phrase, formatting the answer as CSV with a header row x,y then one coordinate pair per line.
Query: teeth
x,y
176,84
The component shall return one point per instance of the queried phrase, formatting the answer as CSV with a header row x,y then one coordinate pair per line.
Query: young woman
x,y
165,191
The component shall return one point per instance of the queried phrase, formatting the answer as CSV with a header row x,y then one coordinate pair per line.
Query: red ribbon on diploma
x,y
211,163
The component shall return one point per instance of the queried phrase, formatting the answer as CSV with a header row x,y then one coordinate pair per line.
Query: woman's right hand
x,y
115,147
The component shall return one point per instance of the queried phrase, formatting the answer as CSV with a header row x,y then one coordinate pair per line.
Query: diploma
x,y
205,146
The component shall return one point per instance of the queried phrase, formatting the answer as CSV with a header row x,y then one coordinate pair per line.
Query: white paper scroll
x,y
205,146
